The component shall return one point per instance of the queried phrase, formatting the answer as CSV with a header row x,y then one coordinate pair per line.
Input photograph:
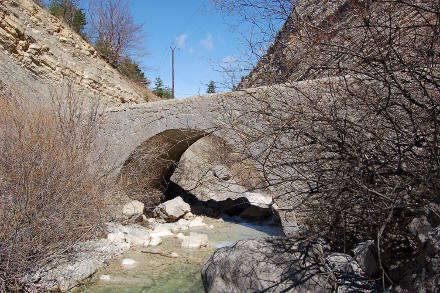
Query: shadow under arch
x,y
151,164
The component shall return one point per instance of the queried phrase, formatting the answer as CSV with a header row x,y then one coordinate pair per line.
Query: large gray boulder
x,y
281,265
172,210
212,174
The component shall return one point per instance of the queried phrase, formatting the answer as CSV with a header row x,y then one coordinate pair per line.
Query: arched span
x,y
152,163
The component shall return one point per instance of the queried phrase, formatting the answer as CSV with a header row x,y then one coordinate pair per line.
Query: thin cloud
x,y
208,43
181,40
229,59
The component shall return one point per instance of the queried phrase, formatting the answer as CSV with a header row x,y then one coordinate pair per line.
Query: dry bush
x,y
358,156
50,188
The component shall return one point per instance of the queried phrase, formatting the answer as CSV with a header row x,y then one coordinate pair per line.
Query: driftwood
x,y
158,253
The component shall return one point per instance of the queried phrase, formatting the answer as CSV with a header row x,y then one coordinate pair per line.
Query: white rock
x,y
188,216
136,235
105,278
174,254
116,237
155,241
128,263
133,208
161,231
180,236
197,222
195,240
211,226
172,210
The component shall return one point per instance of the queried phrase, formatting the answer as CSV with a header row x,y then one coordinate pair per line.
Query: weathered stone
x,y
196,222
172,210
155,241
133,209
25,29
195,240
128,263
365,255
222,172
281,265
85,260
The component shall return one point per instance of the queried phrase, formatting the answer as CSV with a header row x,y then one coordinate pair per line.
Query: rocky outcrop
x,y
133,210
172,210
281,265
40,56
209,172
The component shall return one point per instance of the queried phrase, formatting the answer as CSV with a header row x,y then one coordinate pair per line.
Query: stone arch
x,y
152,163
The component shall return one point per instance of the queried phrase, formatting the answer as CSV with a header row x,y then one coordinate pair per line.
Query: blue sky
x,y
202,37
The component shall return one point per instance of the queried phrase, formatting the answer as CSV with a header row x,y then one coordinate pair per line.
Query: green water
x,y
157,273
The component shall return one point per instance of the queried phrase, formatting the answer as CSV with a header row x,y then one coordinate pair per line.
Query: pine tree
x,y
211,87
160,90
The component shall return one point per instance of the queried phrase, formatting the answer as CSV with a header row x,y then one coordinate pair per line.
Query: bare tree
x,y
355,153
113,29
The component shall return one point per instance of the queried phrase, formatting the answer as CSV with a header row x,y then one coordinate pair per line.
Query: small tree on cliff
x,y
160,90
211,87
69,11
131,69
113,29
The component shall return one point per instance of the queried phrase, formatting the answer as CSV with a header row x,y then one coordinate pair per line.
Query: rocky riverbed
x,y
169,267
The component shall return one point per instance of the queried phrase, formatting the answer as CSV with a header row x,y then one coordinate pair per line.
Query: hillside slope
x,y
39,54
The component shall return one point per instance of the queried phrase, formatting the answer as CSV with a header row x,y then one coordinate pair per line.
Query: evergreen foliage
x,y
160,90
211,87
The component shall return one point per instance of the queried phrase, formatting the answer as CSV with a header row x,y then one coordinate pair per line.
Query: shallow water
x,y
158,273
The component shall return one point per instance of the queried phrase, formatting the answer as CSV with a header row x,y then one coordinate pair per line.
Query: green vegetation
x,y
160,90
69,11
211,87
131,69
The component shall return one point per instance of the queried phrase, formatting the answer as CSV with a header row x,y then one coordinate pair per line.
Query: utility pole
x,y
172,60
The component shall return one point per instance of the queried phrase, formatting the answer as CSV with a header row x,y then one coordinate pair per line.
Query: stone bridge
x,y
142,142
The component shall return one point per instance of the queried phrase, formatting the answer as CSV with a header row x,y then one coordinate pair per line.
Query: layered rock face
x,y
40,56
294,56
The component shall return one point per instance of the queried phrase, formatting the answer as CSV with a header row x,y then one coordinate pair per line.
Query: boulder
x,y
131,234
277,264
195,240
172,210
196,222
161,231
210,173
133,209
365,255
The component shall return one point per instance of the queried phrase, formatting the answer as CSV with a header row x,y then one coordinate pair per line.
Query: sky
x,y
203,38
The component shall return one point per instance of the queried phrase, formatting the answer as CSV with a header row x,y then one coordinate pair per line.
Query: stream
x,y
155,272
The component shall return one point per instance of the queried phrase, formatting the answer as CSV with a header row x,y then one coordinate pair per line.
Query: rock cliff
x,y
294,56
40,54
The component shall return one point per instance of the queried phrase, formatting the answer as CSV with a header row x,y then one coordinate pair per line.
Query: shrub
x,y
50,187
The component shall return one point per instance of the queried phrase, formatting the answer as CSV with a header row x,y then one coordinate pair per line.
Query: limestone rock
x,y
105,278
203,171
39,53
275,264
128,263
195,240
222,172
155,241
66,273
196,222
172,210
133,209
161,231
